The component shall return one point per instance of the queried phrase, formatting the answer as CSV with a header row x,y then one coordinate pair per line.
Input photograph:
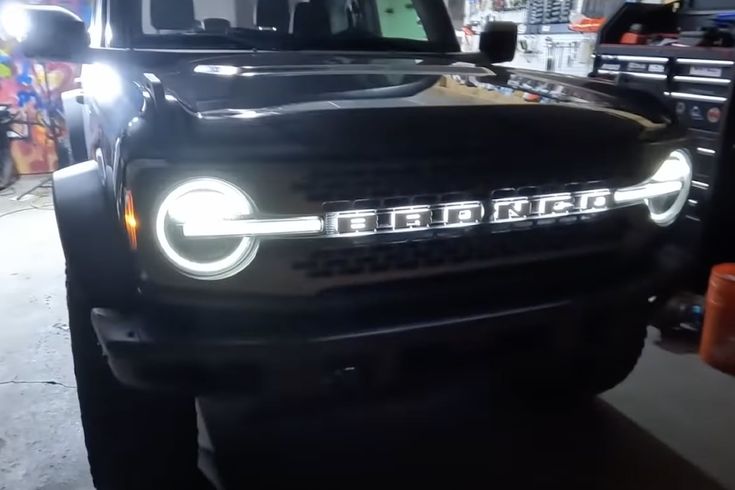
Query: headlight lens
x,y
666,192
205,201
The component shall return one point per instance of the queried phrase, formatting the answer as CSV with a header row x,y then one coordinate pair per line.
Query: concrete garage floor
x,y
670,425
41,442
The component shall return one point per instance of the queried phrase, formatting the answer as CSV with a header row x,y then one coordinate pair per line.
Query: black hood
x,y
347,107
267,84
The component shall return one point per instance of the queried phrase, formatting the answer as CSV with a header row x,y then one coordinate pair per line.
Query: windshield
x,y
369,25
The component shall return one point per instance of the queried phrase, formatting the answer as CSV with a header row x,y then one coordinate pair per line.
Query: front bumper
x,y
292,348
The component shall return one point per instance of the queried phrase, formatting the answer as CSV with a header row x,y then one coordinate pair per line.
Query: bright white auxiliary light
x,y
15,21
665,193
102,82
205,202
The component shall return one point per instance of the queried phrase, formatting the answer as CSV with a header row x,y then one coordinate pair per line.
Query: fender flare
x,y
74,117
94,243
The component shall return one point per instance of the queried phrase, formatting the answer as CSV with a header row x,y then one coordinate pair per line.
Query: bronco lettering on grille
x,y
455,214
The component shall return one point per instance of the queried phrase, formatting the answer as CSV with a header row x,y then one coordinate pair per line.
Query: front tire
x,y
592,359
608,356
135,439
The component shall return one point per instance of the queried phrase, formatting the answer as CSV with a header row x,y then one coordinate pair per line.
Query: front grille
x,y
406,179
307,267
377,186
460,252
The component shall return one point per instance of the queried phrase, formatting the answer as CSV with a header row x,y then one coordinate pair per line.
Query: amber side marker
x,y
131,221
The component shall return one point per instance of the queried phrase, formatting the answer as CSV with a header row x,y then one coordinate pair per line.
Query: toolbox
x,y
686,63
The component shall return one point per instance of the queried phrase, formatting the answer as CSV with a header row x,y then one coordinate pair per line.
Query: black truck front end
x,y
279,201
275,250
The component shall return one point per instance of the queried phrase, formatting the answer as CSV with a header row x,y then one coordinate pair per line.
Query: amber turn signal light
x,y
131,221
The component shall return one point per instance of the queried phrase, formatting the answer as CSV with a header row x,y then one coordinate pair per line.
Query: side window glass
x,y
398,18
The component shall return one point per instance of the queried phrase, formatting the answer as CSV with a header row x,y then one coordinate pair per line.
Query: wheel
x,y
608,356
600,356
135,439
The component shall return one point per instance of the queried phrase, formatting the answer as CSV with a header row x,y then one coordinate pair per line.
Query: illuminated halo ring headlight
x,y
665,193
205,201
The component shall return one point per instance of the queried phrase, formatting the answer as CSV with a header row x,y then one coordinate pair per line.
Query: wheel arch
x,y
75,125
92,238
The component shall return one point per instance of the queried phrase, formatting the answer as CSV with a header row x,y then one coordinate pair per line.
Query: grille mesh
x,y
458,252
379,181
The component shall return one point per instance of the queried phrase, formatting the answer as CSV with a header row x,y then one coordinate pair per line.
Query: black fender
x,y
74,117
98,257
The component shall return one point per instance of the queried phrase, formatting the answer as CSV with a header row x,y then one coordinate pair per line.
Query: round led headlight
x,y
204,201
665,193
676,171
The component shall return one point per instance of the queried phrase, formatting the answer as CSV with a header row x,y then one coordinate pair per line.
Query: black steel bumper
x,y
286,348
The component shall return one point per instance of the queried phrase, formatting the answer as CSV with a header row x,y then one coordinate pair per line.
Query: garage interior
x,y
669,425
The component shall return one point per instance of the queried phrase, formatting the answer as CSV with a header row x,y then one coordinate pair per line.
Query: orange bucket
x,y
718,334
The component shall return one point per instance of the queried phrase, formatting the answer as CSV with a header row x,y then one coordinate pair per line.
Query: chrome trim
x,y
706,151
697,61
697,97
644,59
652,76
703,80
344,69
700,185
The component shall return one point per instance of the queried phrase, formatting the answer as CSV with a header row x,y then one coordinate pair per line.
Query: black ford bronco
x,y
289,199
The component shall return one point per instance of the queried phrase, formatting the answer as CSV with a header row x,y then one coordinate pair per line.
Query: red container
x,y
633,38
718,335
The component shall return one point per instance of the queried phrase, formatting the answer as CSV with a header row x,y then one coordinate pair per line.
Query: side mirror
x,y
47,32
498,41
